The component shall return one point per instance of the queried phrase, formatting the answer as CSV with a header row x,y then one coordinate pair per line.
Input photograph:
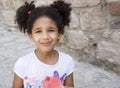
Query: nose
x,y
45,36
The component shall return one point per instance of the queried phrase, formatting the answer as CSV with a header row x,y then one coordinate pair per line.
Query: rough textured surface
x,y
115,24
88,76
107,50
80,43
114,7
83,3
93,37
92,19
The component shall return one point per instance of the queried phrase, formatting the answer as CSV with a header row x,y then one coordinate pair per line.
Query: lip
x,y
46,44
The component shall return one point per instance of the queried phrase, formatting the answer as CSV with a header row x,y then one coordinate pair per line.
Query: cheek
x,y
36,38
55,36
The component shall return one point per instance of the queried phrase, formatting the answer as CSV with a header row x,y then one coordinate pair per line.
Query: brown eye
x,y
37,31
51,30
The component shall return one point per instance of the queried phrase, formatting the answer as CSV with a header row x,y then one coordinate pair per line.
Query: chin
x,y
47,50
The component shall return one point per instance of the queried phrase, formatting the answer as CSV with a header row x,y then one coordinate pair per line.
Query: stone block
x,y
1,17
6,4
112,0
1,5
76,39
116,37
113,36
107,34
63,39
68,50
75,18
109,51
92,18
114,7
17,3
89,76
115,24
83,3
40,3
11,4
9,17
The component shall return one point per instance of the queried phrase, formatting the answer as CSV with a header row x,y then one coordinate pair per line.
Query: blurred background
x,y
92,39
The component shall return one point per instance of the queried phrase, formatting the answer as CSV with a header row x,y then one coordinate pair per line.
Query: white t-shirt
x,y
33,71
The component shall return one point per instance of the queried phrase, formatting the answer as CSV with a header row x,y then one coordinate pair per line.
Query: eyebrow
x,y
37,28
53,27
48,27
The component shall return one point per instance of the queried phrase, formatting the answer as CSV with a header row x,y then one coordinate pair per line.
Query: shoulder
x,y
21,63
25,58
31,54
65,57
67,62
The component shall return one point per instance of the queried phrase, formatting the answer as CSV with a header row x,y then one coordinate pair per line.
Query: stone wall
x,y
93,35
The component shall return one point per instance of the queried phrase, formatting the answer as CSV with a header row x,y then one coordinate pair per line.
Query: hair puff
x,y
22,15
63,9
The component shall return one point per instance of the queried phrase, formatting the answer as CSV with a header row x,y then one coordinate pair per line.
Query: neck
x,y
47,57
44,55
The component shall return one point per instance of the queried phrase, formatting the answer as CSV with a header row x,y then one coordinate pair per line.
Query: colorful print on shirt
x,y
35,83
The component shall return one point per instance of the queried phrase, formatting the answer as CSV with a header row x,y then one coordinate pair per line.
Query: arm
x,y
17,82
69,83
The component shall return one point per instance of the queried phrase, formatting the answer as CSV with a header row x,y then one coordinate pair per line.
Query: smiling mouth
x,y
46,44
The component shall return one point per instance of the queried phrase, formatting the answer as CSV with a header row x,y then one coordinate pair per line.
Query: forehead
x,y
44,21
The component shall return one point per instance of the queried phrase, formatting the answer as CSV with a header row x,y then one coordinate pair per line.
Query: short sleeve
x,y
70,66
19,68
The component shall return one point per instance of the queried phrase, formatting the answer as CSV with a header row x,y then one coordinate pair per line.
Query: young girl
x,y
45,26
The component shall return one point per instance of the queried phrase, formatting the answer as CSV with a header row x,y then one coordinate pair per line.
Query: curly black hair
x,y
59,11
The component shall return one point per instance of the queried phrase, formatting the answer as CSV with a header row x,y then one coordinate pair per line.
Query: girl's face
x,y
45,34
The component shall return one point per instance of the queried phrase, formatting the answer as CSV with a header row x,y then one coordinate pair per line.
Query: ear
x,y
59,36
30,36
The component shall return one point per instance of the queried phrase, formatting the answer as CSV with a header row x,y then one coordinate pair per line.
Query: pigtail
x,y
64,10
22,15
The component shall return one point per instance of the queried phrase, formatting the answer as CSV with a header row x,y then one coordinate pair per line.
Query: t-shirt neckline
x,y
47,65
